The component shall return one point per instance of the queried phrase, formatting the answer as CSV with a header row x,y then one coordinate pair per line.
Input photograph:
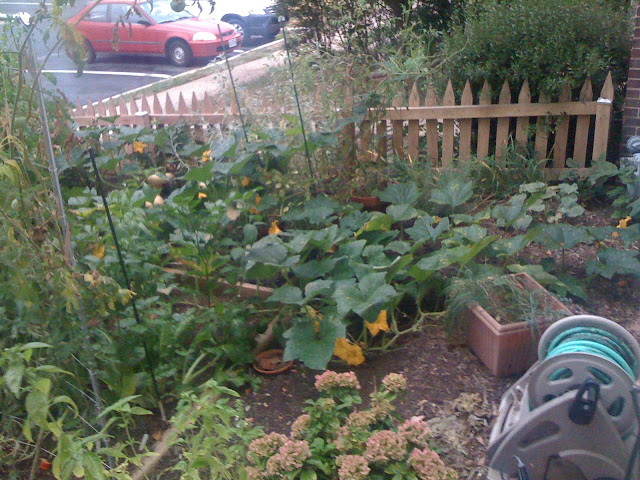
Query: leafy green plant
x,y
334,440
505,298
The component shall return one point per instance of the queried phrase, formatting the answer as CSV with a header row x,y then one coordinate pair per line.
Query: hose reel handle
x,y
585,404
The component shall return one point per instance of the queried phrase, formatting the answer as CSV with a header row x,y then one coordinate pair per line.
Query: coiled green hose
x,y
597,342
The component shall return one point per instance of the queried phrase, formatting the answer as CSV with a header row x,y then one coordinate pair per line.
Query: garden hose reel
x,y
574,414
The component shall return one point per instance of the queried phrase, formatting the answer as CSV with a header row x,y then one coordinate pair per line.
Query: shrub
x,y
334,440
552,43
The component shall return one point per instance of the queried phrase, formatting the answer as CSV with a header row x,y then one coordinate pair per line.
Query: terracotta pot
x,y
244,290
270,362
508,349
370,204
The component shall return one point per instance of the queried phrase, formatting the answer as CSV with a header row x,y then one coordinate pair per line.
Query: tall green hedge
x,y
552,43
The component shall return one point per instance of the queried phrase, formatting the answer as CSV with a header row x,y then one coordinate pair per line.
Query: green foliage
x,y
547,42
213,434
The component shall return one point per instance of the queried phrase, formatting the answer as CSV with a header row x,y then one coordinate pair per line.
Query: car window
x,y
125,13
97,14
162,12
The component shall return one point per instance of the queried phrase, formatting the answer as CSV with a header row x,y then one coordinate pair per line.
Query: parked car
x,y
151,27
249,17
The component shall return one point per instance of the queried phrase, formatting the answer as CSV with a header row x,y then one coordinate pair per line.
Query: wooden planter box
x,y
508,349
244,290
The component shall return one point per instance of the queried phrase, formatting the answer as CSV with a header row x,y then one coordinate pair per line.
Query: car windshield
x,y
161,11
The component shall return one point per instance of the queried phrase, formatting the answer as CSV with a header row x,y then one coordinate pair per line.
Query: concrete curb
x,y
192,75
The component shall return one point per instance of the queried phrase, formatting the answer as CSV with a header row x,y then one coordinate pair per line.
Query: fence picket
x,y
122,107
603,119
133,106
484,124
522,124
448,127
397,134
582,126
542,134
502,132
157,108
182,105
169,109
413,133
432,129
91,112
144,105
464,144
194,103
562,132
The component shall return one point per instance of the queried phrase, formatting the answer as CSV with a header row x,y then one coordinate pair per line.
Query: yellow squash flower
x,y
138,147
624,223
349,352
98,251
206,156
202,195
274,230
380,325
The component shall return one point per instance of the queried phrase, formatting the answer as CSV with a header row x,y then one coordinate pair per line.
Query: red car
x,y
151,27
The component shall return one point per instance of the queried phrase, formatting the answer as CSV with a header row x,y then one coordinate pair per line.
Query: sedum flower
x,y
330,379
385,445
394,382
266,446
299,425
429,466
290,457
352,467
253,473
415,431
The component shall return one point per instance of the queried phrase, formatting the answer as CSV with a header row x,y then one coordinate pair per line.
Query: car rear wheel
x,y
86,53
89,53
238,24
179,53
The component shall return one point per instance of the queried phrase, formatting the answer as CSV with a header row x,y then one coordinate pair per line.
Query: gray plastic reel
x,y
596,449
583,367
587,321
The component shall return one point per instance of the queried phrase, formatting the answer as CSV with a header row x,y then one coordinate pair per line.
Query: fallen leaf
x,y
98,251
347,351
245,182
380,325
45,465
232,213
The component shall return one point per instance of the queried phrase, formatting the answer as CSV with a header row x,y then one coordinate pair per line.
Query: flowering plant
x,y
332,439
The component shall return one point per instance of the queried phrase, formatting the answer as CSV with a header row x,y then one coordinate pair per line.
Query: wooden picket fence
x,y
440,131
149,111
420,127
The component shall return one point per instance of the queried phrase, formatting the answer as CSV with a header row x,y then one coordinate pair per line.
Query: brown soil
x,y
448,383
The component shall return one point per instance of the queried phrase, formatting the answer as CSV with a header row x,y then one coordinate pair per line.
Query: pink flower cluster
x,y
385,445
266,446
429,466
394,382
290,456
299,425
360,420
415,431
352,467
330,379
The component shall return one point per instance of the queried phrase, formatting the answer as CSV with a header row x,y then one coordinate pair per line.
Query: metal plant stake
x,y
233,86
295,94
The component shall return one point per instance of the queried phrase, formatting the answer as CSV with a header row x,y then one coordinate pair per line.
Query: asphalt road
x,y
111,74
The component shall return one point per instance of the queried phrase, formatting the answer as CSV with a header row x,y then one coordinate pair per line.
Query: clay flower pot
x,y
370,204
512,348
270,362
